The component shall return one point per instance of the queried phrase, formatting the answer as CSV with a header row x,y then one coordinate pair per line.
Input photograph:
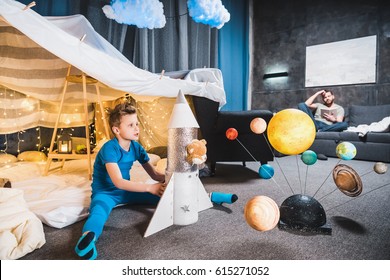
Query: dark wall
x,y
283,29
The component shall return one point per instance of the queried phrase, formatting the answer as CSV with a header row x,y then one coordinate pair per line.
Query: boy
x,y
111,183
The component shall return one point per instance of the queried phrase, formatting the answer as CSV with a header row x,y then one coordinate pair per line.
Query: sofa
x,y
213,125
373,146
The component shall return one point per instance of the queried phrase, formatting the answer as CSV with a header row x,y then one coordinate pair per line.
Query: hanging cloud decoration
x,y
210,12
145,13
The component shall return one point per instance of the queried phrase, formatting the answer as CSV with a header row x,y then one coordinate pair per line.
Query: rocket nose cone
x,y
180,98
182,116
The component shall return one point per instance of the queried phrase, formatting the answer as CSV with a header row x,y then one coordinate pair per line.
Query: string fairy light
x,y
39,140
5,143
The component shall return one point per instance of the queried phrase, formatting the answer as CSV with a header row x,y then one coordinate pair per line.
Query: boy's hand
x,y
156,189
160,178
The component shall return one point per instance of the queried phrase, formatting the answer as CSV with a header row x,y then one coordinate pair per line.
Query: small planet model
x,y
309,157
261,213
291,131
258,125
266,171
347,180
346,150
231,133
380,168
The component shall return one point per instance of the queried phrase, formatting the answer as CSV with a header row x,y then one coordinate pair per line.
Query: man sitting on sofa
x,y
328,116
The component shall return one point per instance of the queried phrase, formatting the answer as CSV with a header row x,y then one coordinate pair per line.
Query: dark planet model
x,y
303,213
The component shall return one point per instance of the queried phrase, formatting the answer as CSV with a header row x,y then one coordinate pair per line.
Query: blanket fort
x,y
37,51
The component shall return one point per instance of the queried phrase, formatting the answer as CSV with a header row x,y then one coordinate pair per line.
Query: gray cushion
x,y
367,114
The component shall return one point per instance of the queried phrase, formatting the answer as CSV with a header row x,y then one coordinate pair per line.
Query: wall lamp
x,y
275,75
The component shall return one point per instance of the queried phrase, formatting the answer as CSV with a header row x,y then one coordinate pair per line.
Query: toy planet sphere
x,y
291,131
346,150
258,125
231,133
266,171
347,180
309,157
380,168
261,213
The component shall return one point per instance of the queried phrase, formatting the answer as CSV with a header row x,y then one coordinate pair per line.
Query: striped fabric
x,y
19,112
31,85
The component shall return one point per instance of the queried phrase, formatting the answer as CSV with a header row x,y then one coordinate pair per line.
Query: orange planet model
x,y
291,132
261,213
258,125
231,133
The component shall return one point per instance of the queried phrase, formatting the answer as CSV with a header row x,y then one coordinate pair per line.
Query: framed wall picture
x,y
342,63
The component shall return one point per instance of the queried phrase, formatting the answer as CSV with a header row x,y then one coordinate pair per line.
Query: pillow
x,y
32,156
153,159
7,158
161,151
161,165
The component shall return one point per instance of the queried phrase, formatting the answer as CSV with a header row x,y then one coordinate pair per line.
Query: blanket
x,y
363,129
63,197
21,232
58,201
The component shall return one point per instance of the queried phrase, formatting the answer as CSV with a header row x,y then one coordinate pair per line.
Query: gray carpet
x,y
360,226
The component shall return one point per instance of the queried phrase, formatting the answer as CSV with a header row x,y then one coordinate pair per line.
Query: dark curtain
x,y
181,45
56,7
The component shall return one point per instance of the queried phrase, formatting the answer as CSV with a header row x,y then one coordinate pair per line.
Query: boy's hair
x,y
122,109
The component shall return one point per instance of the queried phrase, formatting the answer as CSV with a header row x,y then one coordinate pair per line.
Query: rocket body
x,y
178,139
184,195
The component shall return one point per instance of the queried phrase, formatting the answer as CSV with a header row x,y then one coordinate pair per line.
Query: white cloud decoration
x,y
211,12
145,13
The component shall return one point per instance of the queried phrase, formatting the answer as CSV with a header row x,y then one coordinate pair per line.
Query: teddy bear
x,y
196,151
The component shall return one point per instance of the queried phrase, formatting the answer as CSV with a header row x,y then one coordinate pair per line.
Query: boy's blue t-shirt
x,y
112,152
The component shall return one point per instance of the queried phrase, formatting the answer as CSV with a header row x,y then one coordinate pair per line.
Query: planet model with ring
x,y
258,125
261,213
347,180
291,131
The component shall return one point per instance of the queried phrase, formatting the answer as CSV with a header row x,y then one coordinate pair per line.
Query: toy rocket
x,y
185,195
